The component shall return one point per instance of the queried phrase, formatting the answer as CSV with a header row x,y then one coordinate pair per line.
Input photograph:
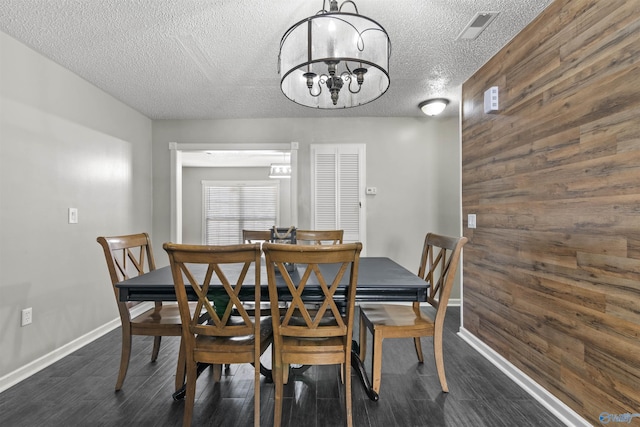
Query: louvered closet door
x,y
338,180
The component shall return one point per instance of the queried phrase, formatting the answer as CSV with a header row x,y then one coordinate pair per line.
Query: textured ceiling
x,y
203,59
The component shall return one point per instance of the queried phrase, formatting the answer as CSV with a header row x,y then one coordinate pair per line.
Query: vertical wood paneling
x,y
552,272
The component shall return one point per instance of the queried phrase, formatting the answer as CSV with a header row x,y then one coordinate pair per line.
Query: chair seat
x,y
404,319
220,344
313,351
265,308
160,317
167,314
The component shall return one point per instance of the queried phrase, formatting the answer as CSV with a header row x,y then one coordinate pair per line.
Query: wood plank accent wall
x,y
552,271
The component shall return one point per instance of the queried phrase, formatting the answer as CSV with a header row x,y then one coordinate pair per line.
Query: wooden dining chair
x,y
256,236
306,336
129,256
438,265
319,237
225,338
259,236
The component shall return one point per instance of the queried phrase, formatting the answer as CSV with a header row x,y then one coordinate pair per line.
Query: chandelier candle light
x,y
334,59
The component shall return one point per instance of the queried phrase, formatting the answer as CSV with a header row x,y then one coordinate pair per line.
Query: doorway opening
x,y
227,156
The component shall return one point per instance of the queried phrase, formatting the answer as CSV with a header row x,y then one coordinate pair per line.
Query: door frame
x,y
176,165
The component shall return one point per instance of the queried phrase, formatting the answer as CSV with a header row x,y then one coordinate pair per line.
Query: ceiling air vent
x,y
477,25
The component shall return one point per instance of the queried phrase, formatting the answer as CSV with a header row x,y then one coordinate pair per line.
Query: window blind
x,y
230,207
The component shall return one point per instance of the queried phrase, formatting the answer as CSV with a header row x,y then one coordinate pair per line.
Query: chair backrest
x,y
253,236
127,256
283,235
217,275
319,237
326,320
438,266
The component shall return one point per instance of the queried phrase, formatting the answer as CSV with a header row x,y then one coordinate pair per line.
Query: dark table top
x,y
379,279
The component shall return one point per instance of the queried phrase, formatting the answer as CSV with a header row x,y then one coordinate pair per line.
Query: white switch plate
x,y
491,100
372,190
73,215
26,317
471,220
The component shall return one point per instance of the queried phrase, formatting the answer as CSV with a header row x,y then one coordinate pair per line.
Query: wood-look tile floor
x,y
79,391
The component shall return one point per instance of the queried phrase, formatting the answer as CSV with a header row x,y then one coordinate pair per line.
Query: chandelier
x,y
334,59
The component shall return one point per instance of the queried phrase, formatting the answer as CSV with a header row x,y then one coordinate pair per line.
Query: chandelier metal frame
x,y
334,50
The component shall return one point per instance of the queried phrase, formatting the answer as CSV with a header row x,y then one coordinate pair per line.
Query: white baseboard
x,y
453,302
24,372
546,399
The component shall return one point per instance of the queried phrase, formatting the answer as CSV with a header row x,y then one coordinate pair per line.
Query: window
x,y
230,207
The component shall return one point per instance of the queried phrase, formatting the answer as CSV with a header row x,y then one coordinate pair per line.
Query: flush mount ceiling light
x,y
334,59
433,107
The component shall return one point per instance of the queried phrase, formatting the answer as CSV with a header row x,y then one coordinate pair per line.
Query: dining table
x,y
380,279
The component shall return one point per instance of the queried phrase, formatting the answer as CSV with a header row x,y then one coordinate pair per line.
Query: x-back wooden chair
x,y
439,262
256,236
306,336
231,335
259,236
320,237
129,256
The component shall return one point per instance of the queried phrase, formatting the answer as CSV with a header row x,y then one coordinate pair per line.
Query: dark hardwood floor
x,y
79,391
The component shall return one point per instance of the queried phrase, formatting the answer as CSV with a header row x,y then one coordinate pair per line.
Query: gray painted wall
x,y
63,143
414,163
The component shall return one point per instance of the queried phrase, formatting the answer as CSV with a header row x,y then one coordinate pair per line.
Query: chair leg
x,y
363,339
437,353
217,372
376,370
181,368
416,341
124,356
347,393
286,368
278,379
256,394
192,376
156,348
